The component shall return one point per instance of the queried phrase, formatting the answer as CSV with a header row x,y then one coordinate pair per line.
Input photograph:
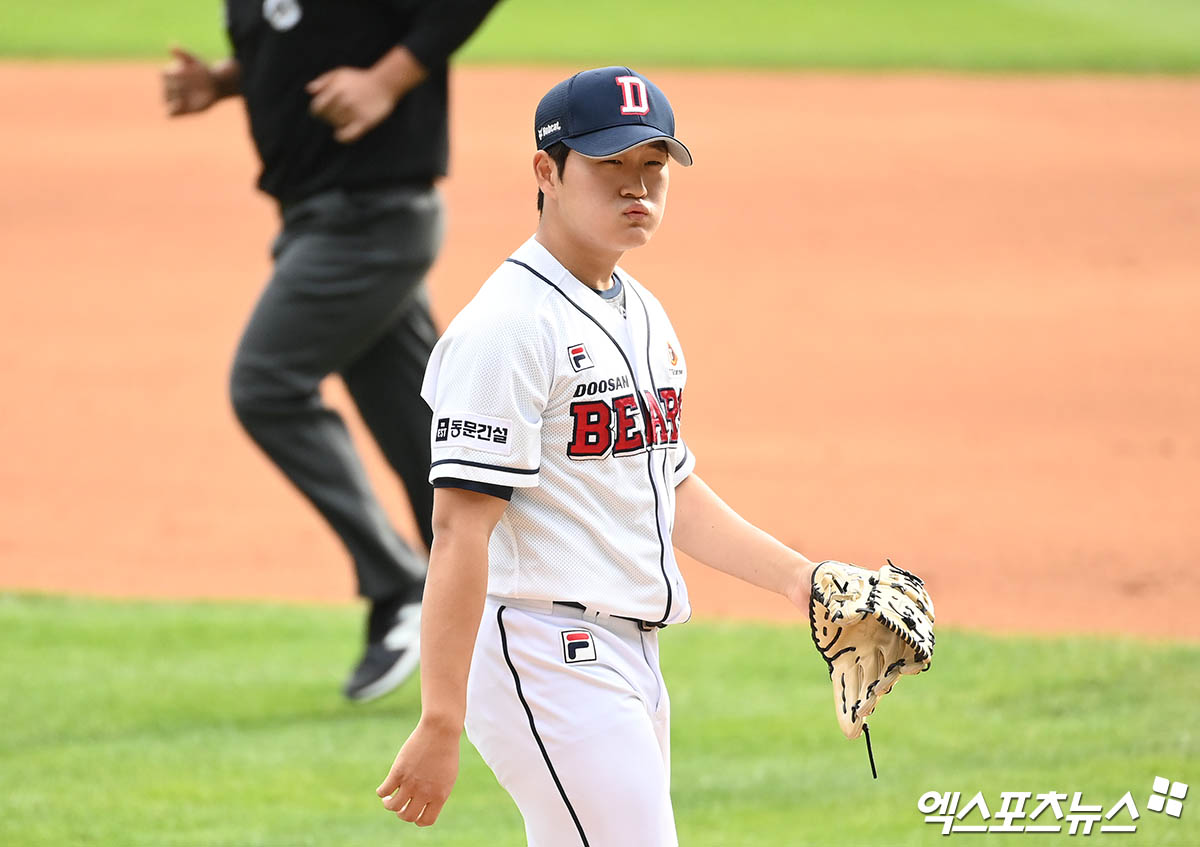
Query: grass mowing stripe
x,y
1046,35
142,723
866,34
1173,22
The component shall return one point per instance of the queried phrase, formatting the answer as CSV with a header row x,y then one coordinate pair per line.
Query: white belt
x,y
568,609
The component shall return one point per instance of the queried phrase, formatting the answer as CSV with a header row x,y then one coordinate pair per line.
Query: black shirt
x,y
282,45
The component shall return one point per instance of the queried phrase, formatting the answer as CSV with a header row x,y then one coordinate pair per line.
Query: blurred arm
x,y
355,100
190,85
442,26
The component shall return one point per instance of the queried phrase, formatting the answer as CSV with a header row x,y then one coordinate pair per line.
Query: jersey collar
x,y
534,254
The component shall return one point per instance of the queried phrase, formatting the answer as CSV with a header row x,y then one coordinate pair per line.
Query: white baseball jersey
x,y
541,385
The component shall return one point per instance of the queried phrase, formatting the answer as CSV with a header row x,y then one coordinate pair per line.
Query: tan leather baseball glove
x,y
871,627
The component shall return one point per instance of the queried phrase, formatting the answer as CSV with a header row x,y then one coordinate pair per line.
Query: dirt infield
x,y
946,320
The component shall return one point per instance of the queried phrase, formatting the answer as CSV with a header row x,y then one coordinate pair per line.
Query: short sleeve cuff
x,y
685,463
503,492
483,472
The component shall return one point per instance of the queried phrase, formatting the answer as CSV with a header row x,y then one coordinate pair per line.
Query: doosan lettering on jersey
x,y
586,389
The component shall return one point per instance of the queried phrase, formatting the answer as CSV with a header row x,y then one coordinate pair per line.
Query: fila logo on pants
x,y
578,646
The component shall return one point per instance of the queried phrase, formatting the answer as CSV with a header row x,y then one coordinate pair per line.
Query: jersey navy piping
x,y
662,550
483,465
533,727
662,553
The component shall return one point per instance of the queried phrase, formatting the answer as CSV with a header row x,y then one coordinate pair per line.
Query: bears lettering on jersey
x,y
657,419
592,435
618,425
628,436
671,400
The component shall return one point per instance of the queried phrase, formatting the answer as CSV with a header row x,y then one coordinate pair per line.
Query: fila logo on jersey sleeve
x,y
580,360
578,646
633,95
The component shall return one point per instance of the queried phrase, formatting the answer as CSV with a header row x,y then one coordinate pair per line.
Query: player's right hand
x,y
420,780
188,84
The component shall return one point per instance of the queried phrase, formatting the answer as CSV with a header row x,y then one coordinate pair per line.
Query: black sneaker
x,y
393,649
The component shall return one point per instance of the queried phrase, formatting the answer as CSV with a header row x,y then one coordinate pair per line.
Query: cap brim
x,y
617,139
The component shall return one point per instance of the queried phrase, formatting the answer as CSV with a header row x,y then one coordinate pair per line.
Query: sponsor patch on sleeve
x,y
478,432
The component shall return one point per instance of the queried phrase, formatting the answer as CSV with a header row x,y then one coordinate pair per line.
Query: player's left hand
x,y
419,782
352,100
871,627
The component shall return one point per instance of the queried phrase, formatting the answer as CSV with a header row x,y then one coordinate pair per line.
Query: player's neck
x,y
593,267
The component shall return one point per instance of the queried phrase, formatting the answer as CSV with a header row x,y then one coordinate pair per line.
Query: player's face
x,y
615,203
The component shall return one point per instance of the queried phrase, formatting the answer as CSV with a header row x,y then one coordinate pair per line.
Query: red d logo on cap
x,y
633,92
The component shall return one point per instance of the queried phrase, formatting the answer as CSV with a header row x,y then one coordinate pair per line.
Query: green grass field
x,y
137,723
1051,35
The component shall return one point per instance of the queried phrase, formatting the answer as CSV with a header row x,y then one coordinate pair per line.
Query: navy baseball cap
x,y
606,111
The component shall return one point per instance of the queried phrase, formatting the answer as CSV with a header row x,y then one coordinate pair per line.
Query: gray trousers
x,y
347,296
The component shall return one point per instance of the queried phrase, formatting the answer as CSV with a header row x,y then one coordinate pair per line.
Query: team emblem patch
x,y
282,14
580,360
578,646
671,351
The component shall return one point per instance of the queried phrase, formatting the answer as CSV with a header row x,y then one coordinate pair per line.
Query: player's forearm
x,y
455,588
712,533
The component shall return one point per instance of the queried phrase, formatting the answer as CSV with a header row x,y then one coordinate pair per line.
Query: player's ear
x,y
546,172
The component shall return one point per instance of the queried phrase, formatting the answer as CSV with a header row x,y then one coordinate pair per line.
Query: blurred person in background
x,y
347,106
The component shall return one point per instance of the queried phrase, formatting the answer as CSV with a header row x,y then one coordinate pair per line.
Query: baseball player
x,y
562,484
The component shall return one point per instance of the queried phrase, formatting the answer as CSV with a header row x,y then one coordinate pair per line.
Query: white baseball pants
x,y
570,711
